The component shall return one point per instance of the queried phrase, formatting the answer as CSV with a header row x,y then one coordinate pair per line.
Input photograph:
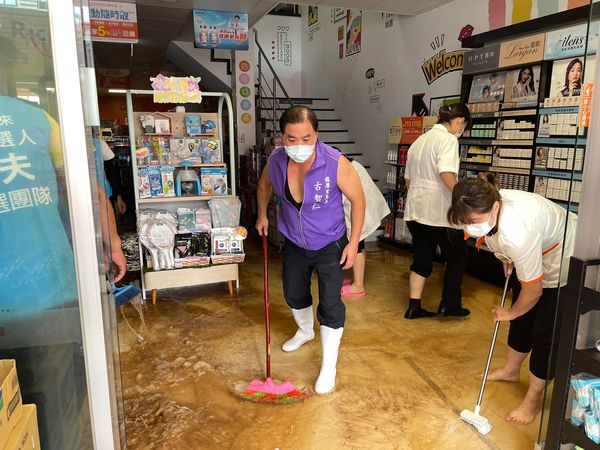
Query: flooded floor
x,y
401,384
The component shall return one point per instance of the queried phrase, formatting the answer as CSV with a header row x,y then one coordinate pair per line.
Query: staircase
x,y
331,129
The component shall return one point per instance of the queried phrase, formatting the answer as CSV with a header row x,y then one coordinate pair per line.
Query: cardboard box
x,y
25,436
10,399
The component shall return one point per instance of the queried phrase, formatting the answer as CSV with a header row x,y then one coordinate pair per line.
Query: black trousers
x,y
298,266
425,240
533,331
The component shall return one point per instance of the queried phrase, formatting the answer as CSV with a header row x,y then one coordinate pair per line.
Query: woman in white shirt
x,y
431,174
530,230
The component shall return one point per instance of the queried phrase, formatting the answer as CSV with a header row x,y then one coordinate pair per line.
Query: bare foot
x,y
356,289
526,412
503,374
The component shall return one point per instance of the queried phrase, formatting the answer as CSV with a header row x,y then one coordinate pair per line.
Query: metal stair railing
x,y
272,110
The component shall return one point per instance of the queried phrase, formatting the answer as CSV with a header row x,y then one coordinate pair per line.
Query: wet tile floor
x,y
400,385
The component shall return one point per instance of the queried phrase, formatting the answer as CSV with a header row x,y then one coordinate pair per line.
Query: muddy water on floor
x,y
400,384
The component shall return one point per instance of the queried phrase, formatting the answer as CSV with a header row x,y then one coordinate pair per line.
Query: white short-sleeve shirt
x,y
531,232
428,198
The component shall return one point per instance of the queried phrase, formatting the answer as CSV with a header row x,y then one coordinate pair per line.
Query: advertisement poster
x,y
522,51
568,76
341,33
395,130
487,87
522,85
339,14
412,128
220,29
313,15
480,59
436,102
569,42
353,32
113,22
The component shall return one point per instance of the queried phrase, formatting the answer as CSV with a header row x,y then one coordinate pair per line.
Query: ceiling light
x,y
117,91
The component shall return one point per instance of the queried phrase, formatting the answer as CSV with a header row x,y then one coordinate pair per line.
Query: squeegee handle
x,y
493,344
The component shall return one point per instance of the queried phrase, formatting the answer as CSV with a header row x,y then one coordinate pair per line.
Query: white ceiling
x,y
256,8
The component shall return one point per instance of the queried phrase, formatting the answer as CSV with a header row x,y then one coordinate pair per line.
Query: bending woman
x,y
530,230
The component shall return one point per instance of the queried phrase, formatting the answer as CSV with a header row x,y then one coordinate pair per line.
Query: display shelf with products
x,y
570,411
193,237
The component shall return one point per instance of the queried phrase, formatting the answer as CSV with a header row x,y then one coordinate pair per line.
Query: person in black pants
x,y
431,174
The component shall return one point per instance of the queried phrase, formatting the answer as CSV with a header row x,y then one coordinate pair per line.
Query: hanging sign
x,y
482,59
176,89
571,41
586,105
522,51
113,22
220,29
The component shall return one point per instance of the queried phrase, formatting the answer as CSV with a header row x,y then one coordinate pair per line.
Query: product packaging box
x,y
11,405
210,150
155,179
168,180
25,435
213,181
144,183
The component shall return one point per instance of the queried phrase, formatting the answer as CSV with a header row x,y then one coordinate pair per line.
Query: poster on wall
x,y
341,33
436,102
487,87
113,22
522,85
313,15
339,14
412,128
353,32
569,42
220,29
567,76
480,59
341,51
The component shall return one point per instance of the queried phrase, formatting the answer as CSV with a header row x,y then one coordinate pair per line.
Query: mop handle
x,y
267,320
493,344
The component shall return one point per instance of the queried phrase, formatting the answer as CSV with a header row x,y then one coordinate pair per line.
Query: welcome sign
x,y
521,51
571,41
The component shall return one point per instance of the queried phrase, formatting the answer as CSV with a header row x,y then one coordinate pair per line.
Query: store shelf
x,y
553,174
586,361
191,198
158,134
506,113
203,135
191,276
475,141
560,110
573,435
573,207
590,300
561,141
526,142
513,170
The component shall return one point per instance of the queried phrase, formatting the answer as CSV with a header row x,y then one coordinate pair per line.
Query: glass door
x,y
54,229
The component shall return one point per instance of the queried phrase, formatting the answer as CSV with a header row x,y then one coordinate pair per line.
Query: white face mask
x,y
458,135
299,153
478,230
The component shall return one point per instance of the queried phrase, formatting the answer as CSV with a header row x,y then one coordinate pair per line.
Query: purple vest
x,y
320,220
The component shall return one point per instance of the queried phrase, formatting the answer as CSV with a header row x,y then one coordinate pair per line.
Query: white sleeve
x,y
448,158
525,251
107,153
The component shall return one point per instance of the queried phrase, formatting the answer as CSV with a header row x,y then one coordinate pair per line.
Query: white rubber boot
x,y
330,341
305,321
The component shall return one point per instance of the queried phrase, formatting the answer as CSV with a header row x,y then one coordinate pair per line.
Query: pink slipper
x,y
347,282
346,292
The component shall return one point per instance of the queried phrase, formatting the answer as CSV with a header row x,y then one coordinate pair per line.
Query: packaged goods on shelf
x,y
210,151
228,245
225,212
144,190
586,405
213,180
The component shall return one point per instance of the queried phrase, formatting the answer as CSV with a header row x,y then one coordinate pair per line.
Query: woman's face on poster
x,y
575,73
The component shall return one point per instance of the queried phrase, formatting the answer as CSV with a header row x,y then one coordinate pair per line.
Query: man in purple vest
x,y
310,178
